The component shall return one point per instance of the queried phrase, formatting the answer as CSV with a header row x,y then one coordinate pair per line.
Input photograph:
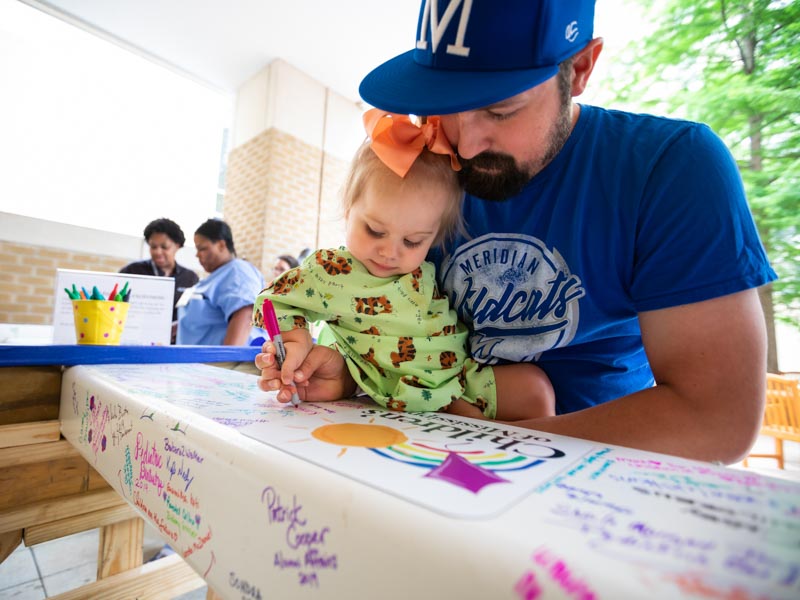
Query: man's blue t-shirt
x,y
636,213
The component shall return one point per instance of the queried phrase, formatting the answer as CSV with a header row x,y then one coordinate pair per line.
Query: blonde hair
x,y
428,169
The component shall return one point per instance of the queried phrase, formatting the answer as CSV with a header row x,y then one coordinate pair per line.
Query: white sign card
x,y
149,321
461,467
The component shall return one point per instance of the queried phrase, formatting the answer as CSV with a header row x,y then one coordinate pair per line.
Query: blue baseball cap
x,y
473,53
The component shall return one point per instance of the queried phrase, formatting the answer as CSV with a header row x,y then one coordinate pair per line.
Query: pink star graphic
x,y
459,471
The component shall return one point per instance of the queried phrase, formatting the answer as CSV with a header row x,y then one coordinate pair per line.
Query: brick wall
x,y
28,272
272,197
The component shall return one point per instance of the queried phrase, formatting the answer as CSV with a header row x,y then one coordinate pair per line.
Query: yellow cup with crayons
x,y
99,322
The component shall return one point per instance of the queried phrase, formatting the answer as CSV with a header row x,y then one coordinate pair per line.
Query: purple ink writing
x,y
184,473
182,451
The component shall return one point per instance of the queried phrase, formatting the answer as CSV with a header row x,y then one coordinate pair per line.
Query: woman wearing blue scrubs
x,y
218,310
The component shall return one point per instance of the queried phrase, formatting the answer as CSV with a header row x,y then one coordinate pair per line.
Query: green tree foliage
x,y
735,65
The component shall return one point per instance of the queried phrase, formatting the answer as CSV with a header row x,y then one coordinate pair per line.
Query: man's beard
x,y
496,176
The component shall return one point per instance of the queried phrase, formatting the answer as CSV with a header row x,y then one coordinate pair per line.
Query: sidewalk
x,y
61,565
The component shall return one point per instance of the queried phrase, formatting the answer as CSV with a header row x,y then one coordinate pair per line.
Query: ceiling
x,y
222,43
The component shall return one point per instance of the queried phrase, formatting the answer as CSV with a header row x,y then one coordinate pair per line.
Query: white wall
x,y
39,232
285,98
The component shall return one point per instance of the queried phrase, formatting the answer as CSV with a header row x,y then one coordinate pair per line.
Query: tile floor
x,y
54,567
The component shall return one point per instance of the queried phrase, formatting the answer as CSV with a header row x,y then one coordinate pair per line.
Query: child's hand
x,y
298,344
271,375
323,375
463,408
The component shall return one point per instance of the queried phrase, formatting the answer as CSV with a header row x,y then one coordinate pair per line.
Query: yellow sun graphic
x,y
359,434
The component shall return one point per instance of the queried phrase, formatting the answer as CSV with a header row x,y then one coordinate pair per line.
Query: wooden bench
x,y
781,415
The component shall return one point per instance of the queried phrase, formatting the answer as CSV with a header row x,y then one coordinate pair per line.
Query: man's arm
x,y
709,362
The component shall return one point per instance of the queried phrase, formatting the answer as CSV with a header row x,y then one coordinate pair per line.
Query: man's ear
x,y
583,64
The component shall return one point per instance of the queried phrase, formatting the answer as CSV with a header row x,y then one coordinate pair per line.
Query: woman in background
x,y
165,238
283,263
219,309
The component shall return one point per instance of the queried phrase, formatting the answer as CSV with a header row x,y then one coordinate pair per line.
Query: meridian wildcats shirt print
x,y
519,296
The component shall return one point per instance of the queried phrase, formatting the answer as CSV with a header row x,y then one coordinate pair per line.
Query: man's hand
x,y
322,376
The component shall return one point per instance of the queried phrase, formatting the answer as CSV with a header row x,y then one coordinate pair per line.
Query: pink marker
x,y
271,324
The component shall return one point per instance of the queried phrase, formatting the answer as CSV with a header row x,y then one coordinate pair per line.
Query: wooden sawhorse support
x,y
48,491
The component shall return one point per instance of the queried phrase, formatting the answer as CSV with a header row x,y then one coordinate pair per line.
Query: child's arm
x,y
523,392
319,372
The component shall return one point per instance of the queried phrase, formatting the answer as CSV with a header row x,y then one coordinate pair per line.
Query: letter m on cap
x,y
431,14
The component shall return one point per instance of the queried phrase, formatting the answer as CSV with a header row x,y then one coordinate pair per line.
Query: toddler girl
x,y
401,341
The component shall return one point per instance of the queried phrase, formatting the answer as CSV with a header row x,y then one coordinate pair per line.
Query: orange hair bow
x,y
398,142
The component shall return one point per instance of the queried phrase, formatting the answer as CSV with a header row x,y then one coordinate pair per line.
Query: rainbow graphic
x,y
427,456
472,469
